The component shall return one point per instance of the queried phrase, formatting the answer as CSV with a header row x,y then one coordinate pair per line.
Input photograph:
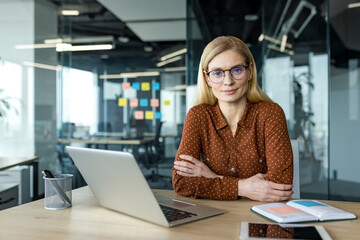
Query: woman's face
x,y
230,90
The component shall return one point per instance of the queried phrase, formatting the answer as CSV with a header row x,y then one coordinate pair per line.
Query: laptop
x,y
118,184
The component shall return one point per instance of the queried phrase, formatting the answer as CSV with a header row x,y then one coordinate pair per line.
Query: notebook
x,y
118,184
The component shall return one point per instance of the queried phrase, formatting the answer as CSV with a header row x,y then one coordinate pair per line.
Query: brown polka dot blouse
x,y
261,144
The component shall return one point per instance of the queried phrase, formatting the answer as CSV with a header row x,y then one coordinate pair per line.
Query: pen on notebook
x,y
57,188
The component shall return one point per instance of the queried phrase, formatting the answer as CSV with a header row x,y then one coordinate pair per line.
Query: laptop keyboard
x,y
173,214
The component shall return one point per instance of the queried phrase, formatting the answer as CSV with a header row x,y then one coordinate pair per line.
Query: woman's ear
x,y
207,79
250,71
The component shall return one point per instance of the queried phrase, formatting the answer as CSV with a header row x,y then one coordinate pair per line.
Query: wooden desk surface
x,y
8,162
106,141
87,220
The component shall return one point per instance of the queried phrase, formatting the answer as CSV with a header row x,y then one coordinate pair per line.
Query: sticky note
x,y
144,102
284,210
167,102
154,102
125,85
134,102
155,86
122,102
149,115
139,115
145,86
136,85
309,203
158,115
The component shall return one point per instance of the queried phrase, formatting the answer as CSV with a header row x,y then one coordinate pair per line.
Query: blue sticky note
x,y
136,85
155,86
144,102
158,115
309,203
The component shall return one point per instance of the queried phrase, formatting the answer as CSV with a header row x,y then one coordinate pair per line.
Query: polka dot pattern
x,y
261,144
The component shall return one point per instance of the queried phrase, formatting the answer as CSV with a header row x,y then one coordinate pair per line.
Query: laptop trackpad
x,y
180,204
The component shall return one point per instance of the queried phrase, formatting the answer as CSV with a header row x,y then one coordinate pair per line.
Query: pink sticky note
x,y
125,85
134,102
139,115
154,102
284,210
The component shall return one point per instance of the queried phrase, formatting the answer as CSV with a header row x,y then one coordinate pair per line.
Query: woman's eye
x,y
217,73
237,70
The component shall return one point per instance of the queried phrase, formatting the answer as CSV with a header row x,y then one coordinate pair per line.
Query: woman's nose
x,y
228,80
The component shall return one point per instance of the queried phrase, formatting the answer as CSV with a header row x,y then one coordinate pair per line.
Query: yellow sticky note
x,y
122,102
167,102
145,86
149,115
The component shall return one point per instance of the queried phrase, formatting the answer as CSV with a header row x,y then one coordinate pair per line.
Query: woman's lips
x,y
229,92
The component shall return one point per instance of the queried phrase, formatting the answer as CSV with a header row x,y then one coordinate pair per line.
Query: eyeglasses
x,y
218,75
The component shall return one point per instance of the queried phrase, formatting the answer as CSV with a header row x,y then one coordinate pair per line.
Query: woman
x,y
235,141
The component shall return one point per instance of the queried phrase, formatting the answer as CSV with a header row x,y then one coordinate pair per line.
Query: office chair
x,y
296,174
156,156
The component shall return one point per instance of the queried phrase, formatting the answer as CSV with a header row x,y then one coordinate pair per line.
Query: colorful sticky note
x,y
134,102
125,85
167,102
145,86
144,102
122,102
309,203
155,86
149,115
284,210
136,85
154,102
139,115
158,115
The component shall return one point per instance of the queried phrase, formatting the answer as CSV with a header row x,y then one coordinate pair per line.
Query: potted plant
x,y
4,105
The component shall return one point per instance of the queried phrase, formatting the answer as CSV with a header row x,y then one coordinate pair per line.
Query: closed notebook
x,y
301,211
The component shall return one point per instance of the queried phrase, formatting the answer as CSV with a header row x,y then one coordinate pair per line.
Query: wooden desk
x,y
87,220
8,162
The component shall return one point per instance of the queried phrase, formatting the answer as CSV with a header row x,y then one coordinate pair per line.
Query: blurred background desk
x,y
9,162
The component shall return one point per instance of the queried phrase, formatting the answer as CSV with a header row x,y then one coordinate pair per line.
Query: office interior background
x,y
143,78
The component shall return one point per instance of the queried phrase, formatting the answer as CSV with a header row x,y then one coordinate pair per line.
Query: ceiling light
x,y
173,54
160,64
148,49
278,49
283,43
129,75
354,5
261,37
40,65
56,40
251,17
271,39
34,46
70,12
175,69
123,39
65,47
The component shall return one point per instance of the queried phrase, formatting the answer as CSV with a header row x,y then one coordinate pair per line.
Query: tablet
x,y
263,231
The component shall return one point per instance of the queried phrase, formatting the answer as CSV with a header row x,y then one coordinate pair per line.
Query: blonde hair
x,y
215,47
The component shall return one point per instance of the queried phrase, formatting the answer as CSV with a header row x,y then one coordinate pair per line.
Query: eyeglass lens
x,y
218,76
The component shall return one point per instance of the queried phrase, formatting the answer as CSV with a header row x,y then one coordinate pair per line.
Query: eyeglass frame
x,y
208,73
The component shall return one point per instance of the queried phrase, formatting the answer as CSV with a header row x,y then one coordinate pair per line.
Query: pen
x,y
57,188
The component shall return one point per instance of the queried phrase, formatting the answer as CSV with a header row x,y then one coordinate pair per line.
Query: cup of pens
x,y
58,189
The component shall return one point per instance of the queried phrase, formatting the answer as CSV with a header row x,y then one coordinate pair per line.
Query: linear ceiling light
x,y
278,49
70,12
173,54
160,64
175,69
283,42
354,5
34,46
40,65
64,47
129,75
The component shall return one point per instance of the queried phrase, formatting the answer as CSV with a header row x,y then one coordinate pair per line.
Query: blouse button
x,y
233,169
260,160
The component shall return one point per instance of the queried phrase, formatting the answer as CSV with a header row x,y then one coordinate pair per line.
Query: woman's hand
x,y
257,188
193,168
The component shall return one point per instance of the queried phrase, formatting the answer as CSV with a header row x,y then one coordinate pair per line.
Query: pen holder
x,y
58,191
